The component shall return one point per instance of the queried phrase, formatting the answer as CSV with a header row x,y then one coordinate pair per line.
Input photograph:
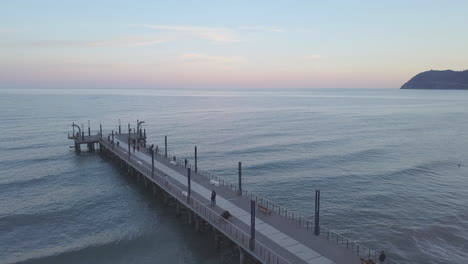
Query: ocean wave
x,y
303,161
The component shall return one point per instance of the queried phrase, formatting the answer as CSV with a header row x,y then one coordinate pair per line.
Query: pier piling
x,y
317,213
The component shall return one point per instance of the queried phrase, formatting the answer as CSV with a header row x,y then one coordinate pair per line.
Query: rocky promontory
x,y
439,80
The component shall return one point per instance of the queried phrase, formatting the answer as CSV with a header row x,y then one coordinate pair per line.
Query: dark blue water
x,y
386,162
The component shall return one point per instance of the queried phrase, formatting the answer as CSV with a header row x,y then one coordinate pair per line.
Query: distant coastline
x,y
439,80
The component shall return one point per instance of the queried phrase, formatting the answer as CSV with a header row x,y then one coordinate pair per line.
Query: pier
x,y
263,231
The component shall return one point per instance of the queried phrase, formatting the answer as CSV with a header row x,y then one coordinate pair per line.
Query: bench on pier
x,y
215,183
264,209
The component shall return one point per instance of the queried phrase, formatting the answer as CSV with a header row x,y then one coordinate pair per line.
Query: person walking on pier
x,y
213,198
382,257
133,148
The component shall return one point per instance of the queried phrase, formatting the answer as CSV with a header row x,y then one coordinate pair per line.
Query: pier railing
x,y
300,220
260,251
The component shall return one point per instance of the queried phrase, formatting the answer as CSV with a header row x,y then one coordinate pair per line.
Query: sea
x,y
391,165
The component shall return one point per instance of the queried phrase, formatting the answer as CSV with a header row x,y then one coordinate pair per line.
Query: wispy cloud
x,y
131,41
197,57
262,28
7,30
215,34
134,41
312,57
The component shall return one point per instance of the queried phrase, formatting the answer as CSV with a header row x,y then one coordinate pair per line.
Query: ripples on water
x,y
386,162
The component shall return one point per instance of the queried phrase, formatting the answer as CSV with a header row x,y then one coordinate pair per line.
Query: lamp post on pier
x,y
196,160
152,162
188,185
240,178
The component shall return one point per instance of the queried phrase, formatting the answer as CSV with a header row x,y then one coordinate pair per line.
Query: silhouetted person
x,y
213,198
133,148
382,256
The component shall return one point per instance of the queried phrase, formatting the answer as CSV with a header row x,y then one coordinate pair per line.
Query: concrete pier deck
x,y
279,236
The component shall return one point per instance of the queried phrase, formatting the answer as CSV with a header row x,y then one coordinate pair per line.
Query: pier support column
x,y
197,223
241,255
166,199
154,189
177,208
189,217
146,182
216,238
77,147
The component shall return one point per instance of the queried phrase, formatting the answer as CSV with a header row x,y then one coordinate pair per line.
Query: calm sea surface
x,y
386,162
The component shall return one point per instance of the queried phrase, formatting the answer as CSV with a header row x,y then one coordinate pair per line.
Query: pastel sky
x,y
228,44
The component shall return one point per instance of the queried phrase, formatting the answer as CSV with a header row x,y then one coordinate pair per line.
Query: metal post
x,y
152,162
252,225
129,131
100,129
73,126
317,213
240,179
129,145
188,183
144,133
89,129
196,160
165,146
112,138
120,131
82,136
